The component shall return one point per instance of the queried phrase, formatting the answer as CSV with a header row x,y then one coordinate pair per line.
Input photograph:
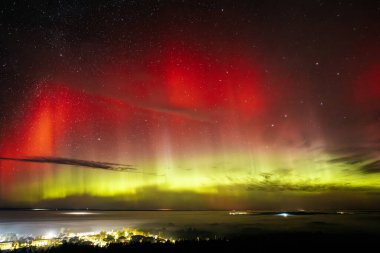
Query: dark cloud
x,y
73,162
351,159
365,157
373,167
277,186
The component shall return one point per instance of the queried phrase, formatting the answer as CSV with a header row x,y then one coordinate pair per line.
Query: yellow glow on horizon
x,y
207,175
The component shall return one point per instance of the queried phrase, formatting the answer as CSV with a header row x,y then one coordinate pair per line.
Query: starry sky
x,y
190,104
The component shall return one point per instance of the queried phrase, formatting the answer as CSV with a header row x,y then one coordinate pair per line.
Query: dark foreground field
x,y
295,242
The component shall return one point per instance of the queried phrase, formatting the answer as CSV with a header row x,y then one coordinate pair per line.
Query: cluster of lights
x,y
283,215
51,238
79,213
238,213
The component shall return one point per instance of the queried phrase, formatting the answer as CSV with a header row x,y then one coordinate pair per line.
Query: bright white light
x,y
49,235
283,214
79,213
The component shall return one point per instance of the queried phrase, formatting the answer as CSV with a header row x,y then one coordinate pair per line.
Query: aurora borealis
x,y
215,104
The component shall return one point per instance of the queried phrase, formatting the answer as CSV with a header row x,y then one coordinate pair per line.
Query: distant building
x,y
6,245
41,242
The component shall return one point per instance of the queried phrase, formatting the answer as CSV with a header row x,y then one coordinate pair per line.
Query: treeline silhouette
x,y
298,242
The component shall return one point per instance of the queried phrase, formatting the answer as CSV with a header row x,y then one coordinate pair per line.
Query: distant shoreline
x,y
261,212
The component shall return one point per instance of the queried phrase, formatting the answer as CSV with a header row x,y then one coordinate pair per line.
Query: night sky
x,y
190,104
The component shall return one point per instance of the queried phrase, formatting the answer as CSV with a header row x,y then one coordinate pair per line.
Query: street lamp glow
x,y
283,214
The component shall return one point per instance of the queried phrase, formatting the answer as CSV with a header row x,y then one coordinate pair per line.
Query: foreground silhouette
x,y
294,241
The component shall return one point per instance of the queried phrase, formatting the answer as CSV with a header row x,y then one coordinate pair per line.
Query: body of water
x,y
187,224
